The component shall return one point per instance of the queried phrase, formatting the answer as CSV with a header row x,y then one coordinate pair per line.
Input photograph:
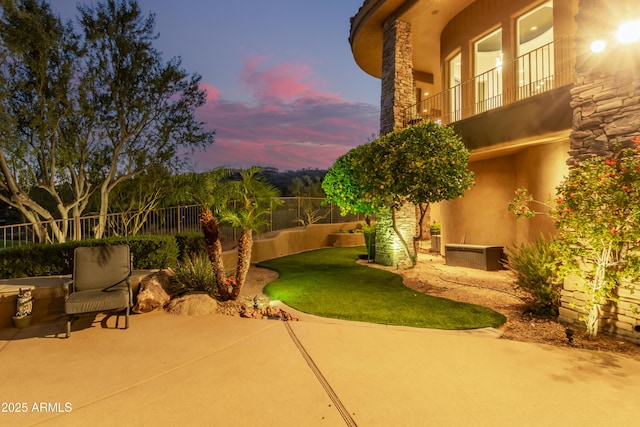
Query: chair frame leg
x,y
72,318
69,321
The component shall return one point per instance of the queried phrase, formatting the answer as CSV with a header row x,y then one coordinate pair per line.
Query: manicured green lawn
x,y
329,283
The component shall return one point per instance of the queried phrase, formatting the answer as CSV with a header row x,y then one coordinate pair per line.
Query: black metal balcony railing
x,y
535,72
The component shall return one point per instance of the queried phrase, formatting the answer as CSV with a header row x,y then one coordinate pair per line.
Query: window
x,y
455,89
488,71
535,51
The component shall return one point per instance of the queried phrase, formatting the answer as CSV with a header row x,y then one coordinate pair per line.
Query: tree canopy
x,y
421,164
426,163
87,109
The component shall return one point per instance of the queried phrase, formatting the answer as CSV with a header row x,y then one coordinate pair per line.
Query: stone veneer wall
x,y
389,249
397,93
618,318
606,112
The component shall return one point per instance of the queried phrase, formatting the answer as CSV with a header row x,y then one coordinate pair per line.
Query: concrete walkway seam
x,y
323,381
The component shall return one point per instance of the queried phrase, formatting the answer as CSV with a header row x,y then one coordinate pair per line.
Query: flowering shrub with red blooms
x,y
230,283
597,214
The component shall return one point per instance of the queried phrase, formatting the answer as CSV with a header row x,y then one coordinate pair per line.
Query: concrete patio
x,y
220,370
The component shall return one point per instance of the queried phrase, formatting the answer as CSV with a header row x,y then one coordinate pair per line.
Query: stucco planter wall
x,y
341,240
290,241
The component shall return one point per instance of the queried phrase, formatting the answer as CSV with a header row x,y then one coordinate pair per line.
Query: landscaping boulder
x,y
154,292
197,304
273,313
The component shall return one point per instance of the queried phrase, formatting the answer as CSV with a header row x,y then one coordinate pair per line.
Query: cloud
x,y
290,122
213,94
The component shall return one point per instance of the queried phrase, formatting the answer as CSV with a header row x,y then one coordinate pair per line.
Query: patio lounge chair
x,y
100,282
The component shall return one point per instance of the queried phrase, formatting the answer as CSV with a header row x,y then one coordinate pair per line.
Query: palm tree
x,y
208,190
244,204
253,198
211,230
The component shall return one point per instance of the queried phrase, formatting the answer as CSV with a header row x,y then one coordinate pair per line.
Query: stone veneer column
x,y
606,112
397,93
606,94
389,249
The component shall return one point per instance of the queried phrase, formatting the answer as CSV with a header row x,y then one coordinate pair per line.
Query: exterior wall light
x,y
598,46
628,32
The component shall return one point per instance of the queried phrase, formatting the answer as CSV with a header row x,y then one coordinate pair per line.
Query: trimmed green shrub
x,y
37,259
190,244
535,267
148,252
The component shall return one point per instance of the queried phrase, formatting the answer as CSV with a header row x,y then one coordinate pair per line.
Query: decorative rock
x,y
154,292
260,301
272,313
602,138
634,101
198,304
591,122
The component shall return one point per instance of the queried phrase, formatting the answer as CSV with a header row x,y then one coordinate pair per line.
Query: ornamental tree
x,y
345,184
421,164
597,215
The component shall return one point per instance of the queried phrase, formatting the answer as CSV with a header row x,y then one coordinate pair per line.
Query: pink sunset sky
x,y
283,89
290,122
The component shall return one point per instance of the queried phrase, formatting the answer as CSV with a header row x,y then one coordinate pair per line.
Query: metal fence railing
x,y
548,67
288,212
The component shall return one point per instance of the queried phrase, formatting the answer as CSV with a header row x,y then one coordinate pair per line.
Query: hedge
x,y
148,252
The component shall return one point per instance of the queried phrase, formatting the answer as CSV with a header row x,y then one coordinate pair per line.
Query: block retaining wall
x,y
619,318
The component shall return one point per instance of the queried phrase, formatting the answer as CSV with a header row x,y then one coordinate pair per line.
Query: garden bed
x,y
496,290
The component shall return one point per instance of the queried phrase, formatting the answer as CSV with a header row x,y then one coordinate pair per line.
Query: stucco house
x,y
530,85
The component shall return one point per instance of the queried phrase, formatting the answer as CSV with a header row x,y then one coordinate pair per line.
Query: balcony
x,y
538,72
